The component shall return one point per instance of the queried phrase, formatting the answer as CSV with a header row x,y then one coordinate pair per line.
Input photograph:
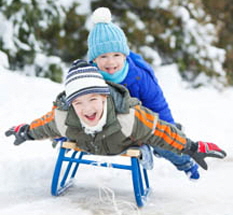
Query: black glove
x,y
20,132
200,150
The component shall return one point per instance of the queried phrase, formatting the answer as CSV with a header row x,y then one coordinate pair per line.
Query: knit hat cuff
x,y
93,90
107,47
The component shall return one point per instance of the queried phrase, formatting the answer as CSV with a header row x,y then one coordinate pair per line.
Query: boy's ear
x,y
105,96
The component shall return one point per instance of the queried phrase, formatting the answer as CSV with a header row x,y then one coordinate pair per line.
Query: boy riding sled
x,y
102,119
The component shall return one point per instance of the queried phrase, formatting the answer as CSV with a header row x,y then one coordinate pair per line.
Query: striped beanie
x,y
82,79
105,37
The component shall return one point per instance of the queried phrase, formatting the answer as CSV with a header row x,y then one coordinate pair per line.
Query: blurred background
x,y
42,37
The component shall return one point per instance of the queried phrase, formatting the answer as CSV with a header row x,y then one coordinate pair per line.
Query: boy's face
x,y
89,108
110,62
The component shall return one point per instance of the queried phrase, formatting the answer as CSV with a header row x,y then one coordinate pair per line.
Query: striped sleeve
x,y
158,133
169,134
45,126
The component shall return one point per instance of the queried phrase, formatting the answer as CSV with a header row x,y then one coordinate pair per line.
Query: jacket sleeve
x,y
152,97
146,88
45,126
149,129
52,124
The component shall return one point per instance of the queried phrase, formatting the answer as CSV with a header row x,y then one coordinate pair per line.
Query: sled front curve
x,y
67,165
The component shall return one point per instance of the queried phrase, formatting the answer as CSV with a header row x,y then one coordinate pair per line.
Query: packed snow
x,y
26,170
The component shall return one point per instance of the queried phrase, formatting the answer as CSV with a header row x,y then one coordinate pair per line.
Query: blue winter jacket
x,y
142,84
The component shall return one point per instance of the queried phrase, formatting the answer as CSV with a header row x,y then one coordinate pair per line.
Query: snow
x,y
6,29
26,170
4,60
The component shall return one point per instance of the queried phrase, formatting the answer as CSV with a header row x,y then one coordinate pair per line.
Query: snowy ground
x,y
26,170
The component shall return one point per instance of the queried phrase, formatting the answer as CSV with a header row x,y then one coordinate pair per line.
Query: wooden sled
x,y
69,162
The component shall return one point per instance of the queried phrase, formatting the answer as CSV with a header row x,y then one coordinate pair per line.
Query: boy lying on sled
x,y
102,119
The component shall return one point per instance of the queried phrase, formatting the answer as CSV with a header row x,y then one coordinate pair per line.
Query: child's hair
x,y
82,79
105,37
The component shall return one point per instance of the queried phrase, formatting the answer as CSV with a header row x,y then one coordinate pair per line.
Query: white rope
x,y
107,196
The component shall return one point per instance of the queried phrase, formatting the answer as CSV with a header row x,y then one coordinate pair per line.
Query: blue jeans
x,y
182,162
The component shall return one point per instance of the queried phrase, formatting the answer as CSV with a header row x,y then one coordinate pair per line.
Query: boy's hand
x,y
200,150
20,132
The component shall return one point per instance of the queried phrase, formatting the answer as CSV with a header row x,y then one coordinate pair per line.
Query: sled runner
x,y
70,156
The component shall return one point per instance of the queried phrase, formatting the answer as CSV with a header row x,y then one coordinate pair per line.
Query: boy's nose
x,y
111,59
87,109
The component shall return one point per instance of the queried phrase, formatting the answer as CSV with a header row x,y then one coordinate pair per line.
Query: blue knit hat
x,y
105,37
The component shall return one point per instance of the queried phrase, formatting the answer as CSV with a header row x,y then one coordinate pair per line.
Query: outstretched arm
x,y
41,128
151,130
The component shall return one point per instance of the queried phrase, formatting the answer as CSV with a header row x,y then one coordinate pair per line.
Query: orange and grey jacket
x,y
128,124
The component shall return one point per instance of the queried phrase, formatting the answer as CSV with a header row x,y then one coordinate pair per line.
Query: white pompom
x,y
101,14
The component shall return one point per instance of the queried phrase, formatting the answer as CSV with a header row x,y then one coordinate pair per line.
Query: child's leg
x,y
182,162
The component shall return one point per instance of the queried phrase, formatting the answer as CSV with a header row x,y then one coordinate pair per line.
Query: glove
x,y
200,150
20,132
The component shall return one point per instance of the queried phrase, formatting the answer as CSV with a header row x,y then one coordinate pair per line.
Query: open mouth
x,y
91,117
111,69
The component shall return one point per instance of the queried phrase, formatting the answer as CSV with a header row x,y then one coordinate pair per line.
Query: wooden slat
x,y
132,152
71,145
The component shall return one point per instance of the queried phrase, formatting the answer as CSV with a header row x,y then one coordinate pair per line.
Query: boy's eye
x,y
77,103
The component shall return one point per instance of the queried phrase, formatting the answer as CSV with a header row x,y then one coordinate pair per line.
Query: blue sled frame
x,y
62,180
